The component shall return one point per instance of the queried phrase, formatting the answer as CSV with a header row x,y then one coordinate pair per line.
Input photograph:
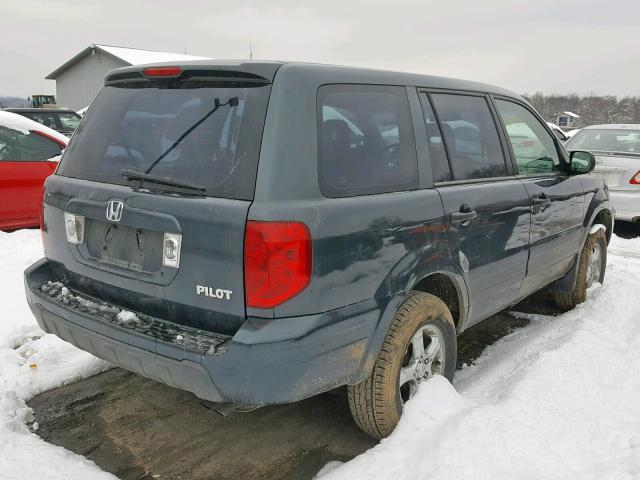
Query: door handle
x,y
464,216
540,200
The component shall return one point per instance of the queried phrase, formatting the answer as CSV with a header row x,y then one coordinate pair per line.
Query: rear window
x,y
606,140
197,133
16,146
366,143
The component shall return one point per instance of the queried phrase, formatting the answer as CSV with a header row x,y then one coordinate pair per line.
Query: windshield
x,y
192,132
606,140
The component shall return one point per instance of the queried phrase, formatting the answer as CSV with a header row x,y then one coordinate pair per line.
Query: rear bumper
x,y
626,204
266,362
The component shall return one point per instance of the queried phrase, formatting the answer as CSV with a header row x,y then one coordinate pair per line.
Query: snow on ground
x,y
558,399
32,362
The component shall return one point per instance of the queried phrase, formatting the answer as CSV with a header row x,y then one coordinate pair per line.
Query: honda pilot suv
x,y
260,232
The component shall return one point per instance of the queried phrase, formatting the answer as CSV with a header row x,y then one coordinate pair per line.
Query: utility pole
x,y
250,49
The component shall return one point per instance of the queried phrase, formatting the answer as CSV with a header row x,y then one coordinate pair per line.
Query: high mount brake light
x,y
162,72
635,180
277,262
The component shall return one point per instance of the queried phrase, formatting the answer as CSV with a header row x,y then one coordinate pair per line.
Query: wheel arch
x,y
451,290
602,215
605,217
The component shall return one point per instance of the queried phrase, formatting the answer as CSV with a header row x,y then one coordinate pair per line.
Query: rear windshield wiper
x,y
232,102
131,174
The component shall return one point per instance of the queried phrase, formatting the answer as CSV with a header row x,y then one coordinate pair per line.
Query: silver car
x,y
617,151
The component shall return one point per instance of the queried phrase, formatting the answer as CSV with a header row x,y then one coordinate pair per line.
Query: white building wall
x,y
77,86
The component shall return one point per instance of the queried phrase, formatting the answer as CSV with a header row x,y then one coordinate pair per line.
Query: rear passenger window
x,y
470,136
365,140
437,153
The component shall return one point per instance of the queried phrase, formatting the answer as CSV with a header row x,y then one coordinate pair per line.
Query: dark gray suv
x,y
259,232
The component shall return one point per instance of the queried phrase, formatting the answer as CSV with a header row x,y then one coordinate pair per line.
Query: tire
x,y
376,403
596,242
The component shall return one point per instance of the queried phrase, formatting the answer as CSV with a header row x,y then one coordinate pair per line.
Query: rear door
x,y
557,199
486,206
26,160
159,159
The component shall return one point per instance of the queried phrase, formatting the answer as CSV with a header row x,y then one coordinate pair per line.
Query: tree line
x,y
593,109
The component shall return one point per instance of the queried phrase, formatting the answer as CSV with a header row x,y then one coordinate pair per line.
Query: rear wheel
x,y
591,268
421,342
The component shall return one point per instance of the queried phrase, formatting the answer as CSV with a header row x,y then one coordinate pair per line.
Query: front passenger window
x,y
534,148
470,136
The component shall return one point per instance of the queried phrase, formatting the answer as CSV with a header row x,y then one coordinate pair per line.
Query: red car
x,y
29,153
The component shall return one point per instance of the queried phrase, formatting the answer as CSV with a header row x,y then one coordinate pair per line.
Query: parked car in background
x,y
617,151
571,133
29,153
259,232
63,121
558,132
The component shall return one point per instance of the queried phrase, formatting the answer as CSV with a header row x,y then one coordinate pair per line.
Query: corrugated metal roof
x,y
132,56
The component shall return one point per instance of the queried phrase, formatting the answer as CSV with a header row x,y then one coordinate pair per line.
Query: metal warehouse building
x,y
79,79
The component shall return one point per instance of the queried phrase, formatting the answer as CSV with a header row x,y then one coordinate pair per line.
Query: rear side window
x,y
45,118
470,136
365,140
199,133
437,153
20,147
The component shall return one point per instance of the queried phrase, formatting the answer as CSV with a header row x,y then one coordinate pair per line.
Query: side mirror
x,y
581,162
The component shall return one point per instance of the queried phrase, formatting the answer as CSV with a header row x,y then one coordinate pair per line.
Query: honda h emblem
x,y
114,210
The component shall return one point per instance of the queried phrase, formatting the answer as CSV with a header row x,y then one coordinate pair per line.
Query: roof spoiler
x,y
258,73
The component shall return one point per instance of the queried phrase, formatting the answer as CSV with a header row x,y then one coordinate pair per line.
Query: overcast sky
x,y
553,46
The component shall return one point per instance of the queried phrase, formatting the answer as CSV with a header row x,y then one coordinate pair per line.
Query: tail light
x,y
635,180
277,262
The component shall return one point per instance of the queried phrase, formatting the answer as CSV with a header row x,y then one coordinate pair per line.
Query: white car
x,y
558,132
617,151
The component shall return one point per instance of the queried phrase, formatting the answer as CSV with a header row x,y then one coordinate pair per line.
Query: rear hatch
x,y
149,204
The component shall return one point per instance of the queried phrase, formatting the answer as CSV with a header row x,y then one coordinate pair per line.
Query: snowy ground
x,y
30,363
558,399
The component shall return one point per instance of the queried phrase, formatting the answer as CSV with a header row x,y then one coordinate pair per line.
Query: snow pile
x,y
25,125
32,362
557,399
126,317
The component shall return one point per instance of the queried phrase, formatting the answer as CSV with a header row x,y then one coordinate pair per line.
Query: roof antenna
x,y
250,49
